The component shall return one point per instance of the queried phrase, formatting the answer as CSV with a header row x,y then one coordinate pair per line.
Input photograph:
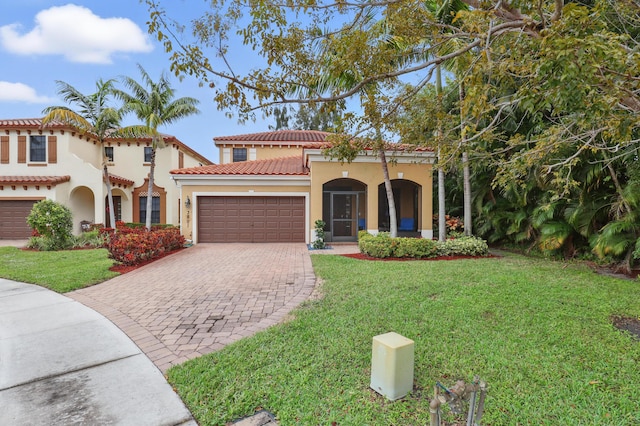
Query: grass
x,y
538,332
60,271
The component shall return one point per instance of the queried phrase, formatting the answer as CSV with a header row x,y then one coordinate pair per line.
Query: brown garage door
x,y
13,219
250,219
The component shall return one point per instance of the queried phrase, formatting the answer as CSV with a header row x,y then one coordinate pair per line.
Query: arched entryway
x,y
406,195
81,203
344,209
121,206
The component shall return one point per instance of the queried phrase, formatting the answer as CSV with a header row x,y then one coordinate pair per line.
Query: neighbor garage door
x,y
251,219
13,219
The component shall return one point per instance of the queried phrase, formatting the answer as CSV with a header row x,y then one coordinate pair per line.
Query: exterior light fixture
x,y
187,203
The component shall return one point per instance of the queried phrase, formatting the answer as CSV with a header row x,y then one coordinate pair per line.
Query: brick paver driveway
x,y
200,299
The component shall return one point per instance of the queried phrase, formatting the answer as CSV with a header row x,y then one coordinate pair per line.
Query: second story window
x,y
108,152
37,148
239,154
147,154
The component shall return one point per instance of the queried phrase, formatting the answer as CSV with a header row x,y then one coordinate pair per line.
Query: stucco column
x,y
426,201
372,208
315,206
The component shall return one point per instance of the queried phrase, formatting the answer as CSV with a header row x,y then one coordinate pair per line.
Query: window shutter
x,y
52,149
180,159
4,149
22,149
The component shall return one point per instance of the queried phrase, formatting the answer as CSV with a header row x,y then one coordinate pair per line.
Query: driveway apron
x,y
207,296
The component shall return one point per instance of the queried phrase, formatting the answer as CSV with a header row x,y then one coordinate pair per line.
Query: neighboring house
x,y
273,186
58,163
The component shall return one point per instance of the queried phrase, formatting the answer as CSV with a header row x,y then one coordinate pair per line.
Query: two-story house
x,y
273,186
58,163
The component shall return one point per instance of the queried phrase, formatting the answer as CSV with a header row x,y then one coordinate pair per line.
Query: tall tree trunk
x,y
442,222
466,175
152,169
107,180
393,222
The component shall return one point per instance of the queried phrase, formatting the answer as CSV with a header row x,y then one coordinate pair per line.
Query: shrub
x,y
379,246
465,246
415,247
131,246
455,226
382,246
53,223
42,243
91,238
319,241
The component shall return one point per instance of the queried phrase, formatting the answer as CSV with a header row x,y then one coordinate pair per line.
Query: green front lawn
x,y
61,271
538,332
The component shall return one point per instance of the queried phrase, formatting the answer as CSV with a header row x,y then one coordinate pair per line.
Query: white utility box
x,y
392,365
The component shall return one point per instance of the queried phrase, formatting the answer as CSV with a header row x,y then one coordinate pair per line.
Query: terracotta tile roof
x,y
33,180
28,123
308,139
283,166
119,179
278,137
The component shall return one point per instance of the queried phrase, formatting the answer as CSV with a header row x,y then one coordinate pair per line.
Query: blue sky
x,y
79,42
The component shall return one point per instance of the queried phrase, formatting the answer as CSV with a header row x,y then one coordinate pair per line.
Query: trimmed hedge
x,y
383,246
463,246
131,246
380,246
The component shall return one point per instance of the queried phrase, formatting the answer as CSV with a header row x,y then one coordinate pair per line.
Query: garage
x,y
13,225
251,219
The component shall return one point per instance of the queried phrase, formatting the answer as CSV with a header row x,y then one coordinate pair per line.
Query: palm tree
x,y
445,11
153,103
93,116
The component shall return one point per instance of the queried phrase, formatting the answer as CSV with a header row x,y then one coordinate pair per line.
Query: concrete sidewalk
x,y
62,363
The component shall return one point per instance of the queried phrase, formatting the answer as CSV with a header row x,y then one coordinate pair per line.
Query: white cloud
x,y
76,33
21,93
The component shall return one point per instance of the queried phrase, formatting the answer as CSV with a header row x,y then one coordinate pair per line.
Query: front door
x,y
344,216
117,206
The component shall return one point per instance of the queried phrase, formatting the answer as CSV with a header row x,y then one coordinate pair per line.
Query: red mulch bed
x,y
123,269
361,256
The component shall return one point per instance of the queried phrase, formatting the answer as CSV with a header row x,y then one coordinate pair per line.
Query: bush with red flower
x,y
134,245
455,226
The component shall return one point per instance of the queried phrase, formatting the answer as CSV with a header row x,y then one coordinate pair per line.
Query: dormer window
x,y
37,148
239,154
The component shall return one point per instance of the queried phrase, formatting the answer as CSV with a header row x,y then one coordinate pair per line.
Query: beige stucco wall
x,y
129,162
81,159
75,157
371,175
261,152
86,150
368,171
